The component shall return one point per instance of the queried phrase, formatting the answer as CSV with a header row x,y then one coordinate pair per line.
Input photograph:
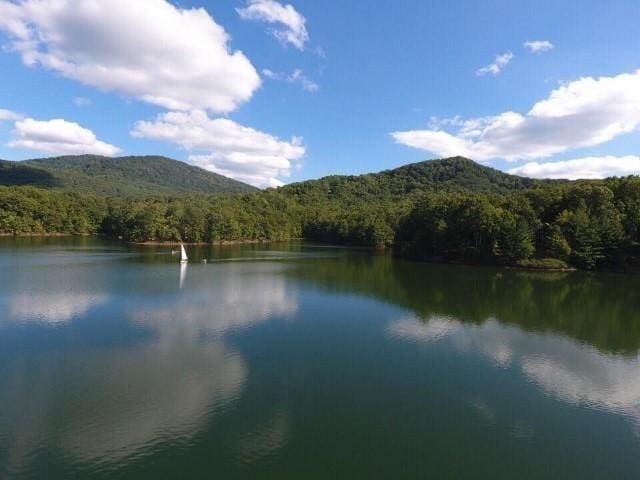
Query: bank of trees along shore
x,y
586,225
504,220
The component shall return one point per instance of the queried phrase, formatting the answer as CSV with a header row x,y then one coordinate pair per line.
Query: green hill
x,y
125,176
450,210
155,175
451,174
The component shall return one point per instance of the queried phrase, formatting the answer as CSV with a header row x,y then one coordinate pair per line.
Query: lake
x,y
302,361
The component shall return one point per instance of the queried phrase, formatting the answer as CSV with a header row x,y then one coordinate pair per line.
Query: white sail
x,y
183,254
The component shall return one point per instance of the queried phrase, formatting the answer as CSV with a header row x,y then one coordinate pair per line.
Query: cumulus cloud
x,y
589,167
538,46
82,102
8,115
583,113
58,137
148,49
498,64
297,77
225,147
293,25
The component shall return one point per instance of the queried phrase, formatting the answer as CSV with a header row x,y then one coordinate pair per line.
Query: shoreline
x,y
515,268
172,243
54,234
167,243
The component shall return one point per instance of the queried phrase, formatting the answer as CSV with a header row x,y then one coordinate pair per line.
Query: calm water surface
x,y
301,361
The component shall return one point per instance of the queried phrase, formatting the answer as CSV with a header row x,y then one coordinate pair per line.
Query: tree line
x,y
586,224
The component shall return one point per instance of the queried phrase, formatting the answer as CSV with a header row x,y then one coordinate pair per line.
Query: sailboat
x,y
183,254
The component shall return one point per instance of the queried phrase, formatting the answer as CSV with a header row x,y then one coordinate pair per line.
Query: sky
x,y
272,92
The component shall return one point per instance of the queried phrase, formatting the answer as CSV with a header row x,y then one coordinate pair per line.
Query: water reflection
x,y
602,310
183,274
570,371
52,308
121,402
116,405
576,336
484,411
215,300
263,440
51,294
271,364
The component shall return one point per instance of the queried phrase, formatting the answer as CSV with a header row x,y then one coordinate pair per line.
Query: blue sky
x,y
269,92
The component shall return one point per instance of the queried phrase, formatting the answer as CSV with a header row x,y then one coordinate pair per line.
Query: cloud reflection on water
x,y
568,370
120,402
50,294
51,307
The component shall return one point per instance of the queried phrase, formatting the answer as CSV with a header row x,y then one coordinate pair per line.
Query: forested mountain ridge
x,y
450,210
451,174
123,176
156,175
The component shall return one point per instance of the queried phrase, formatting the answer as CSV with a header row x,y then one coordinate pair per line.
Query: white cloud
x,y
8,115
498,64
297,77
82,102
583,113
589,167
538,46
225,147
270,11
271,74
58,137
147,49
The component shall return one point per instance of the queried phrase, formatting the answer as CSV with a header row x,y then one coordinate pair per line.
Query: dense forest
x,y
451,210
123,176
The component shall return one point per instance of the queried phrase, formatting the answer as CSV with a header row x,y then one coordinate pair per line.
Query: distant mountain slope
x,y
154,175
456,173
130,176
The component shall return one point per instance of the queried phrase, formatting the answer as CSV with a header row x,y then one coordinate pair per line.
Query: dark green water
x,y
294,361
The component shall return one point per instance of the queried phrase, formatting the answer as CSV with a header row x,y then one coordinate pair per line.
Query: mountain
x,y
456,173
443,210
124,176
155,175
